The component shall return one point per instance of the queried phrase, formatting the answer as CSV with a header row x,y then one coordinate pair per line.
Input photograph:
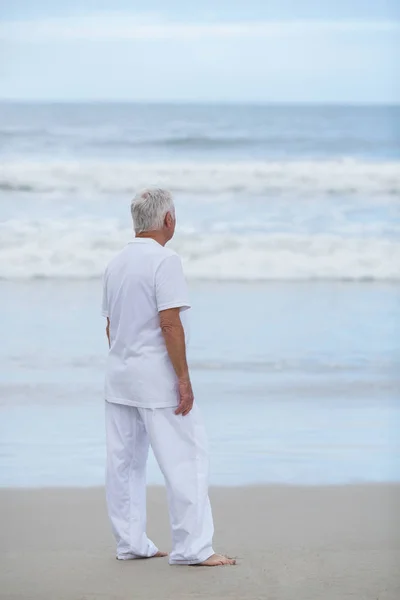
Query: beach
x,y
288,228
300,543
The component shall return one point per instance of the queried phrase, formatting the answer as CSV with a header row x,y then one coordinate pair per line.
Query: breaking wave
x,y
293,178
80,248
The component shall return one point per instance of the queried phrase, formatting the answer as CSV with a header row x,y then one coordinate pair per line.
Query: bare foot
x,y
159,554
216,560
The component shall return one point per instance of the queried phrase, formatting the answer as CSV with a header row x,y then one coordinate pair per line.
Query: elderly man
x,y
149,397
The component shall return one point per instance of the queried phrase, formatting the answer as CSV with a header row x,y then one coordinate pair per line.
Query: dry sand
x,y
327,543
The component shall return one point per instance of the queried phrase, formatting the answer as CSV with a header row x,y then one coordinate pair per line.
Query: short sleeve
x,y
171,286
104,304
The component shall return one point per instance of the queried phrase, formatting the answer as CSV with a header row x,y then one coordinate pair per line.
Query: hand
x,y
186,397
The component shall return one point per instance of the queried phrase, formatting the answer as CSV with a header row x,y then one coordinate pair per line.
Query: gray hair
x,y
149,208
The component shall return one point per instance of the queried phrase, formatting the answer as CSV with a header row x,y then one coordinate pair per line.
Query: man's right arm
x,y
108,332
174,336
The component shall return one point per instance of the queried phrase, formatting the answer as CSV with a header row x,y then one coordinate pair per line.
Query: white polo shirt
x,y
142,280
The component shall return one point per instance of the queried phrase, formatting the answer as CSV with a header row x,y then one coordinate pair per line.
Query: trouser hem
x,y
136,556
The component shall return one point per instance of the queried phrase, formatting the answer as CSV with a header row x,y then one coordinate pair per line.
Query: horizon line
x,y
177,102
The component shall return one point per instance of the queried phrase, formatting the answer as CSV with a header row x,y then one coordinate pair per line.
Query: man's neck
x,y
157,236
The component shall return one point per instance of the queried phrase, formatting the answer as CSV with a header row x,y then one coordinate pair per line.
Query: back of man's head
x,y
149,208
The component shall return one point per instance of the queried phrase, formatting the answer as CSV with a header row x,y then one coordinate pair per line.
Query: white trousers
x,y
180,447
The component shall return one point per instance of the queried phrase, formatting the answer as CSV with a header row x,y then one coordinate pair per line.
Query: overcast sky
x,y
166,50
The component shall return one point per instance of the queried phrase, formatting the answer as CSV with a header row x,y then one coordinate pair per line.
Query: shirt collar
x,y
137,240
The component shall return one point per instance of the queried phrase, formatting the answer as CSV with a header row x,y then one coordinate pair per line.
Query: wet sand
x,y
322,543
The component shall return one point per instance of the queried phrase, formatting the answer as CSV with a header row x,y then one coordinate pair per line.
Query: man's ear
x,y
168,221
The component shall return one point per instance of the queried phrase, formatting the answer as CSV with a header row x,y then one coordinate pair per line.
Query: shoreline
x,y
214,488
291,542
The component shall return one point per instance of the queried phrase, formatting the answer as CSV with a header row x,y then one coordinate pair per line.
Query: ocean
x,y
288,226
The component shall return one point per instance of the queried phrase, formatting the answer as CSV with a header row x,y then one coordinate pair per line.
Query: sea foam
x,y
80,248
299,178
